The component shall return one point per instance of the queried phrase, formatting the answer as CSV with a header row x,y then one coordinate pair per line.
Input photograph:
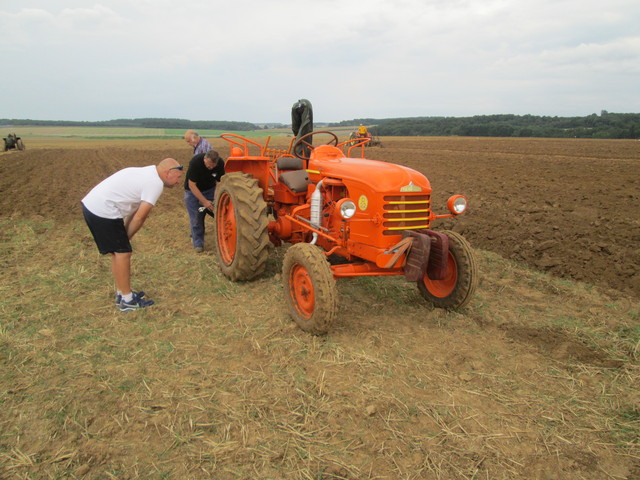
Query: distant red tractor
x,y
375,217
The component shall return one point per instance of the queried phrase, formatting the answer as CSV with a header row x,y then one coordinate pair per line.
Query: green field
x,y
119,133
125,133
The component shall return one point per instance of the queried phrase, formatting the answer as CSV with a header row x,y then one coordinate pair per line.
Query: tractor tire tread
x,y
252,244
324,285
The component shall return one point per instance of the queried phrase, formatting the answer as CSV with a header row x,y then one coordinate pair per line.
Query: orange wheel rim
x,y
301,291
445,287
226,223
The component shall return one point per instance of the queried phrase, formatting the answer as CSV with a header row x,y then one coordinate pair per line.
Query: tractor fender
x,y
418,257
428,254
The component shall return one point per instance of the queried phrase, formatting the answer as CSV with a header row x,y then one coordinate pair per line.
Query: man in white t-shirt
x,y
116,209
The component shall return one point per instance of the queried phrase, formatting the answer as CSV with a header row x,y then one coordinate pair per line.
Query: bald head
x,y
169,171
167,164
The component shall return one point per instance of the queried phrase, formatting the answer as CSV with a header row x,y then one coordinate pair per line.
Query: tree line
x,y
171,123
605,125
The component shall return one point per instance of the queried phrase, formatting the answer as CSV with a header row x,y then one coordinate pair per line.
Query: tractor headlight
x,y
347,208
457,204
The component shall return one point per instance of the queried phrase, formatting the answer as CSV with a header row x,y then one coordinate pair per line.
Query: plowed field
x,y
537,378
567,207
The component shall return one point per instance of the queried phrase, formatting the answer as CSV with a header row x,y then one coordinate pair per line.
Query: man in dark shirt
x,y
204,172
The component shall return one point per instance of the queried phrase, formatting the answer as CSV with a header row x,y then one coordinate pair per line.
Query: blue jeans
x,y
196,218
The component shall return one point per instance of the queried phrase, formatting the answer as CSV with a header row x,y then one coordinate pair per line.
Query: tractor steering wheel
x,y
303,141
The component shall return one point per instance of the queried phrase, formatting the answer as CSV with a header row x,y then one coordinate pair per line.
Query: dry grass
x,y
537,378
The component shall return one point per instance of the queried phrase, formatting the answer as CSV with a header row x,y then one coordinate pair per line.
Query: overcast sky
x,y
250,60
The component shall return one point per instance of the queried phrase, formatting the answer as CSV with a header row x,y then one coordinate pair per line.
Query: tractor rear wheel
x,y
241,227
460,280
310,288
20,145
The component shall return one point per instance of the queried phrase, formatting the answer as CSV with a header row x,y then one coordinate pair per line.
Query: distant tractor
x,y
345,216
12,141
374,140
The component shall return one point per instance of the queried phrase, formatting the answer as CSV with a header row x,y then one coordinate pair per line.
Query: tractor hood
x,y
380,176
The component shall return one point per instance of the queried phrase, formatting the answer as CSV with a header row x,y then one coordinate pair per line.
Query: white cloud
x,y
250,60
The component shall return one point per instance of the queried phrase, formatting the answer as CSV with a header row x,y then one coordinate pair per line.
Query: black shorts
x,y
109,234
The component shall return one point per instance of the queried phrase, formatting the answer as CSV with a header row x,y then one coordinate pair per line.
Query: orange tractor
x,y
373,217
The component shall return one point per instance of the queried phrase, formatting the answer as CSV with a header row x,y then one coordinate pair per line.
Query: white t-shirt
x,y
119,195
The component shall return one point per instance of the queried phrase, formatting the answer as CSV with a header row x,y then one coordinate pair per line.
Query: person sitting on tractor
x,y
362,131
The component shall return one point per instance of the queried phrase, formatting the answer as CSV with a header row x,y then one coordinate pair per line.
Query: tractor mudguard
x,y
439,255
429,254
418,258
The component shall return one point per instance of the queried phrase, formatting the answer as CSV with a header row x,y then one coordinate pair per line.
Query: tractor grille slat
x,y
406,211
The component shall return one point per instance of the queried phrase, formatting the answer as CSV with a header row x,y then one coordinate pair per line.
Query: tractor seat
x,y
289,163
293,174
296,180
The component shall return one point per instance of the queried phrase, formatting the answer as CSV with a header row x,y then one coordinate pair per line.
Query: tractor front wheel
x,y
310,288
460,280
241,227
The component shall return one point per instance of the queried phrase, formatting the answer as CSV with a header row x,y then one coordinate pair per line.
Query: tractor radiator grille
x,y
406,212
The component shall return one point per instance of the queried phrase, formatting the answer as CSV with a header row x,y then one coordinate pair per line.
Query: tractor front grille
x,y
406,211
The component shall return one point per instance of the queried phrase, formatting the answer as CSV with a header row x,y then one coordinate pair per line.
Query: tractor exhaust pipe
x,y
316,200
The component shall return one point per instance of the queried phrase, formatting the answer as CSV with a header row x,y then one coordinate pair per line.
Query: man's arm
x,y
134,222
201,198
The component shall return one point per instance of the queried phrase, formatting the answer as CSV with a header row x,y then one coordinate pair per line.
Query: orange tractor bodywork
x,y
345,215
